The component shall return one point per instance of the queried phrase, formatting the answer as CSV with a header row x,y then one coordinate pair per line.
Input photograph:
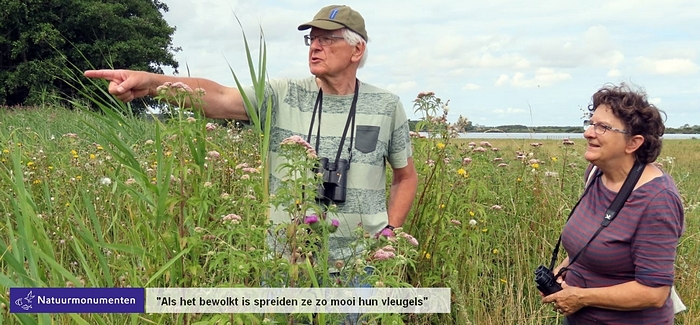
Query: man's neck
x,y
337,86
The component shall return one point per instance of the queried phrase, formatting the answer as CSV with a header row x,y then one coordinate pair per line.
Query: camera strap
x,y
610,214
351,118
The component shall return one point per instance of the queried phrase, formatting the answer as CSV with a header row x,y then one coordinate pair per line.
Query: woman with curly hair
x,y
626,273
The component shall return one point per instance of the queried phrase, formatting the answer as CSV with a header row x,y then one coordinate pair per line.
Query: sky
x,y
528,62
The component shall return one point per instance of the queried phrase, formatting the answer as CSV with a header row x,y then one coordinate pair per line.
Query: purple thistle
x,y
311,219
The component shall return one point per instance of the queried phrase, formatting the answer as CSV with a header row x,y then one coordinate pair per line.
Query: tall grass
x,y
114,201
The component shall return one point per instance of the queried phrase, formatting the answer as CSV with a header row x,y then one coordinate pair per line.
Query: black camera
x,y
335,180
546,282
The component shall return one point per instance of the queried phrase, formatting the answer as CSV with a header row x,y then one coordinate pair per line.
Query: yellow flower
x,y
73,152
535,166
426,254
441,146
5,151
471,213
100,148
29,164
520,179
67,205
442,206
485,230
37,181
554,159
504,281
495,251
461,171
78,177
50,167
169,153
92,156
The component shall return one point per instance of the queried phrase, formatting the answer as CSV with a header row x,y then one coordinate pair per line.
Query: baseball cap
x,y
336,17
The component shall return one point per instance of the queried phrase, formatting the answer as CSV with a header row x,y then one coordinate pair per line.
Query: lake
x,y
548,136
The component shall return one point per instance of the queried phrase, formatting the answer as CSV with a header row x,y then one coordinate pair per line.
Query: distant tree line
x,y
517,128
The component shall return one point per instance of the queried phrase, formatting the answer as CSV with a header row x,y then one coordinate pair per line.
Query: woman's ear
x,y
634,143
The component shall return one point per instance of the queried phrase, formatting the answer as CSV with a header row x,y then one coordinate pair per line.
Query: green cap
x,y
336,17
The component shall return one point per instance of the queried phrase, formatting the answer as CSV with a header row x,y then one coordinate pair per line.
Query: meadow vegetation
x,y
110,200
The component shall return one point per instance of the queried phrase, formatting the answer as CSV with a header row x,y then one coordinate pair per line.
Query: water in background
x,y
547,136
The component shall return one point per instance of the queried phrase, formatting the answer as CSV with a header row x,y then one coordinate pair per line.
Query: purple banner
x,y
77,300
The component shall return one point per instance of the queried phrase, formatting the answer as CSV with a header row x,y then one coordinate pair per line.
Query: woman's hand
x,y
567,301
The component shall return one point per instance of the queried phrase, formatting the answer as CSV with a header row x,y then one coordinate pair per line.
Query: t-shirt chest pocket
x,y
366,138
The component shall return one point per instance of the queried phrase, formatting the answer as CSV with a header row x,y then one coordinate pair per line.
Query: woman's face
x,y
611,144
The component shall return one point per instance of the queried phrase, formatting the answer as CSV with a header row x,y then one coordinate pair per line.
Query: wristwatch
x,y
390,227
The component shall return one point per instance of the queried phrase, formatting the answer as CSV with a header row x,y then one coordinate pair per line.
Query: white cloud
x,y
544,77
675,66
655,101
508,111
471,86
614,73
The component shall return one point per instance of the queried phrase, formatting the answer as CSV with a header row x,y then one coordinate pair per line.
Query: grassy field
x,y
110,201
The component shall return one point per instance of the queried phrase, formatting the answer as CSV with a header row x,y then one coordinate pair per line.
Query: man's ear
x,y
634,143
358,52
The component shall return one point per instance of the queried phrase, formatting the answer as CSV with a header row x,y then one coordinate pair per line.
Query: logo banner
x,y
77,300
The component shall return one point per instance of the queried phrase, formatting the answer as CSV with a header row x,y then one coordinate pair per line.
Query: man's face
x,y
329,53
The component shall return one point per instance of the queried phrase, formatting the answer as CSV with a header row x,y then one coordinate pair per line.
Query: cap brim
x,y
322,24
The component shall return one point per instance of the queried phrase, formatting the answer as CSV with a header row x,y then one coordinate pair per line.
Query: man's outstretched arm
x,y
219,101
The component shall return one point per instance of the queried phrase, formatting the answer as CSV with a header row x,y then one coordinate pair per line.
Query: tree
x,y
39,38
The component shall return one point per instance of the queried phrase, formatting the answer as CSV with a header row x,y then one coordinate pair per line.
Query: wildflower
x,y
495,251
412,240
214,154
210,127
73,152
426,255
430,162
485,230
29,164
461,172
251,170
5,151
479,149
389,248
551,174
503,281
148,142
456,222
200,92
472,144
496,207
386,232
567,142
383,255
71,135
99,147
105,181
472,222
554,159
536,144
440,146
485,144
191,119
92,156
442,206
535,166
130,181
466,161
208,184
37,181
310,219
502,165
198,229
471,213
233,218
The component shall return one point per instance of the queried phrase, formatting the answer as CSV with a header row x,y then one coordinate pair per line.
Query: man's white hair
x,y
353,39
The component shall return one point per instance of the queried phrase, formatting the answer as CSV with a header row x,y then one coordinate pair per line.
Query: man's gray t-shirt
x,y
381,135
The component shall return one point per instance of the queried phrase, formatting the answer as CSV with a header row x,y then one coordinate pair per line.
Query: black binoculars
x,y
546,282
334,186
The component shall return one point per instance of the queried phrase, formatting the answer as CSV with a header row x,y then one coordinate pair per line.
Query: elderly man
x,y
361,124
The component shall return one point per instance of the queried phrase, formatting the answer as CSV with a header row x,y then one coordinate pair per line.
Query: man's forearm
x,y
402,194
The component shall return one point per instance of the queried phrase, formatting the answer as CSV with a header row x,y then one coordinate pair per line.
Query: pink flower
x,y
311,219
214,154
479,149
211,127
496,207
456,222
386,232
335,222
383,255
412,240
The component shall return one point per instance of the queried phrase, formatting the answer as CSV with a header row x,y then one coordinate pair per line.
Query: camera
x,y
334,186
546,282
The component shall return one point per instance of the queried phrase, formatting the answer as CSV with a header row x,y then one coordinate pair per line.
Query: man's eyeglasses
x,y
601,128
324,40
